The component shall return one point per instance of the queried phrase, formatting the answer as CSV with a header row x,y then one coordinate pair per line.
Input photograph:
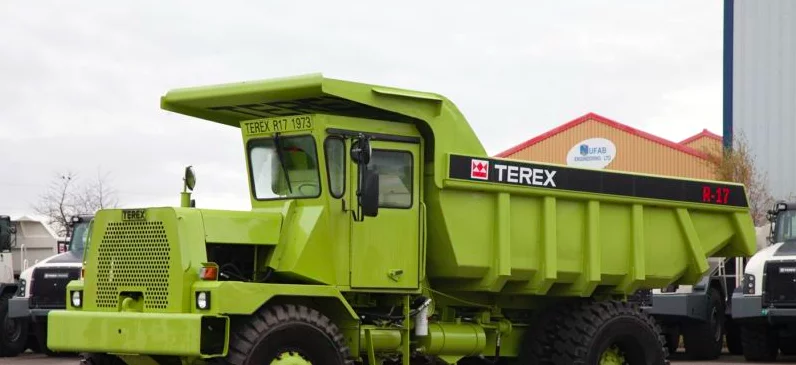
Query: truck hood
x,y
780,251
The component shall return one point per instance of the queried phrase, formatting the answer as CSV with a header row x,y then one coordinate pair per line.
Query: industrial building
x,y
760,86
594,141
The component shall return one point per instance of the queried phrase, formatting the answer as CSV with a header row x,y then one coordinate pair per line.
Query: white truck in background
x,y
765,302
22,241
42,287
702,314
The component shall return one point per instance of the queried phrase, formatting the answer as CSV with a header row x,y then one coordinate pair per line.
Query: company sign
x,y
595,153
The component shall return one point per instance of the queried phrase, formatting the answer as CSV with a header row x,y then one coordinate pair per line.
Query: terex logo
x,y
479,169
525,175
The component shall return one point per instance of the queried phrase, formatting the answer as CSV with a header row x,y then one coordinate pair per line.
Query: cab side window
x,y
334,149
395,177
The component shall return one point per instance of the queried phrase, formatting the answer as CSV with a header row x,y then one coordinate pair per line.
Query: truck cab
x,y
42,287
765,303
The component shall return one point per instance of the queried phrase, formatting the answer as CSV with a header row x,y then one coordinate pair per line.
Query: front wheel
x,y
734,338
13,331
760,342
608,332
287,334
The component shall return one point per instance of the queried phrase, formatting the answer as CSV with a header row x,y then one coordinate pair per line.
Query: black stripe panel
x,y
595,181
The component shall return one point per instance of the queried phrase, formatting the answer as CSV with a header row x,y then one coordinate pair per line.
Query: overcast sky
x,y
80,82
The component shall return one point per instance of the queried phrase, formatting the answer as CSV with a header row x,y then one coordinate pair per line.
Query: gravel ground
x,y
677,359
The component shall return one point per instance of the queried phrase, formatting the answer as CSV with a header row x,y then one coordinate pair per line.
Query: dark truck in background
x,y
701,313
42,287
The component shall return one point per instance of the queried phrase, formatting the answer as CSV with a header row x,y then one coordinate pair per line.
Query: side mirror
x,y
12,230
361,151
370,195
190,178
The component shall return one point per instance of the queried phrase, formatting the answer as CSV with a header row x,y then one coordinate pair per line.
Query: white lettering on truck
x,y
525,175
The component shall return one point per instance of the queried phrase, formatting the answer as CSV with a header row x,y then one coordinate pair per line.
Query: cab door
x,y
385,248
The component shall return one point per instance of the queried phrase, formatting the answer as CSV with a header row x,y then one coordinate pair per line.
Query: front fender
x,y
233,297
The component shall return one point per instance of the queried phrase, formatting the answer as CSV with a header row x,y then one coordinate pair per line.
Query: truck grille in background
x,y
134,255
48,286
779,284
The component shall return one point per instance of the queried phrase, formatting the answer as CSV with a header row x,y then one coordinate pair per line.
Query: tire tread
x,y
247,330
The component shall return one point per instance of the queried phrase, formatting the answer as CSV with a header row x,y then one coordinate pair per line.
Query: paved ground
x,y
35,359
31,359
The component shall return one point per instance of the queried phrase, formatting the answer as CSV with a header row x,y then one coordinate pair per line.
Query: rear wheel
x,y
13,331
760,342
607,332
704,340
287,334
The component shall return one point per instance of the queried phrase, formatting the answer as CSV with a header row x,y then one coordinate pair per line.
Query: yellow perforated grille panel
x,y
134,256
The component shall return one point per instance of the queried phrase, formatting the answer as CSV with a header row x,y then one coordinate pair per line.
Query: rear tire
x,y
287,331
704,340
760,342
607,330
538,340
13,331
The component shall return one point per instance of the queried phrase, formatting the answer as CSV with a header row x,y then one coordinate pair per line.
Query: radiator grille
x,y
780,284
48,286
134,254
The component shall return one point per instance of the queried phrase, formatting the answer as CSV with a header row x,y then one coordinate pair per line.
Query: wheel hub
x,y
612,356
289,358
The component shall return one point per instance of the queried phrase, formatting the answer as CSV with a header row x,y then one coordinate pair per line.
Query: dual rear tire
x,y
595,332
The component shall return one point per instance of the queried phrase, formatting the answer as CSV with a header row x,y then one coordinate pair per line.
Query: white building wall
x,y
764,87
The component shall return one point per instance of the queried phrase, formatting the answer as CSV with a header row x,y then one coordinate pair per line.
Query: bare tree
x,y
67,197
736,164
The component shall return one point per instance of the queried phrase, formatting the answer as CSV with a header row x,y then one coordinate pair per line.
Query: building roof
x,y
704,134
616,125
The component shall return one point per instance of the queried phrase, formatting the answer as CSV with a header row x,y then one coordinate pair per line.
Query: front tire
x,y
704,340
608,331
760,342
13,331
288,332
734,338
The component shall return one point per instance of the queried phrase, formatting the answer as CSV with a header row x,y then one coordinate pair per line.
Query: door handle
x,y
395,274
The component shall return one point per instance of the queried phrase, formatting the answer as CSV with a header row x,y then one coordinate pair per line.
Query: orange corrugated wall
x,y
705,144
633,153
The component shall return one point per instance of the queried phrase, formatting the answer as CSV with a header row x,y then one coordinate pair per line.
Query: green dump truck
x,y
382,233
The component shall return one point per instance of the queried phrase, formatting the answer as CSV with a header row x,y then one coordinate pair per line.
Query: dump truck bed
x,y
519,227
593,230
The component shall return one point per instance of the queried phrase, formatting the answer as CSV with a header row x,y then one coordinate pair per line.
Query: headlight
x,y
21,290
748,284
203,300
77,298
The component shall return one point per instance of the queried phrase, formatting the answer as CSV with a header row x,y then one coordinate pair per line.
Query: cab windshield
x,y
79,236
284,167
785,226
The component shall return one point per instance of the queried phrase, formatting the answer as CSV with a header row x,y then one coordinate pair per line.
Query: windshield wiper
x,y
282,161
